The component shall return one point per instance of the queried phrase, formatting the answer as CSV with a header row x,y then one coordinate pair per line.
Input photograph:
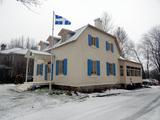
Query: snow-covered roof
x,y
77,34
71,39
124,59
8,51
23,51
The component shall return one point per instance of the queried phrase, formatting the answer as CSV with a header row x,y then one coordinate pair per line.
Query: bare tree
x,y
30,2
21,42
152,40
123,39
107,23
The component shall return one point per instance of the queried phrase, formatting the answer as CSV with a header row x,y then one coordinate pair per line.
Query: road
x,y
142,104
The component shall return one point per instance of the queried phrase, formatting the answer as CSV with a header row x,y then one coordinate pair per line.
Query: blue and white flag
x,y
59,20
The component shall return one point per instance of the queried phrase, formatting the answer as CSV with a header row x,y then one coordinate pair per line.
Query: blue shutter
x,y
89,62
45,75
107,45
89,40
114,69
98,68
107,70
97,42
57,65
37,68
65,66
52,71
41,69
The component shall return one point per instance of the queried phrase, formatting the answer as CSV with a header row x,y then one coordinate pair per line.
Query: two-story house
x,y
86,59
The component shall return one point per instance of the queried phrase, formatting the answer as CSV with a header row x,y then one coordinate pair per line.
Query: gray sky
x,y
136,16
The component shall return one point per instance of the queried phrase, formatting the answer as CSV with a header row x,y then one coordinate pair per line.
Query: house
x,y
86,59
15,60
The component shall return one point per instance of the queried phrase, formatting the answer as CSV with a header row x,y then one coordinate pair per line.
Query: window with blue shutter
x,y
65,66
98,68
114,69
89,40
89,63
97,42
52,71
57,67
107,70
45,75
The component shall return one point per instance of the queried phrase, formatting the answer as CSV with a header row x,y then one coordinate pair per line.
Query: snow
x,y
10,50
140,104
23,51
71,39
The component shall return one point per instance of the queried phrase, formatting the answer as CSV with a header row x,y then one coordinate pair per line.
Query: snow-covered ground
x,y
141,104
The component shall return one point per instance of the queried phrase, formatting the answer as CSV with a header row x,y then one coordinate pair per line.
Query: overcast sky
x,y
135,16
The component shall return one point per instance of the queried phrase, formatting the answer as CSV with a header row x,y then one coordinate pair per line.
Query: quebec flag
x,y
59,20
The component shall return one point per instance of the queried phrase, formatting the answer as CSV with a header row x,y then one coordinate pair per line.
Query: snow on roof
x,y
71,39
122,58
23,51
10,50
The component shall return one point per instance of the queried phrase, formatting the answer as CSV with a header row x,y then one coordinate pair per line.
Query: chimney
x,y
98,23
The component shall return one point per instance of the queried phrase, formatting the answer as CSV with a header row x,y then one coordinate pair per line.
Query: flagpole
x,y
53,24
50,83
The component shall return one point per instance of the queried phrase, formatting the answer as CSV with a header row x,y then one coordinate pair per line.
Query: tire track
x,y
149,107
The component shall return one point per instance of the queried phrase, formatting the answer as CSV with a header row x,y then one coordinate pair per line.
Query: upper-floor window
x,y
109,46
93,41
93,67
61,67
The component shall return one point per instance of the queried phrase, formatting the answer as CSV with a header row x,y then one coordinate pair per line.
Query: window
x,y
121,71
49,68
109,46
39,69
61,67
133,71
111,69
93,67
93,41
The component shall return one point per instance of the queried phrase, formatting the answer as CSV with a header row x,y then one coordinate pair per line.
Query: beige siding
x,y
77,54
99,54
74,64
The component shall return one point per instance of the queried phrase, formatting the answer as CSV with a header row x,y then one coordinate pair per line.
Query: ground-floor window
x,y
61,67
39,69
93,67
133,71
111,69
